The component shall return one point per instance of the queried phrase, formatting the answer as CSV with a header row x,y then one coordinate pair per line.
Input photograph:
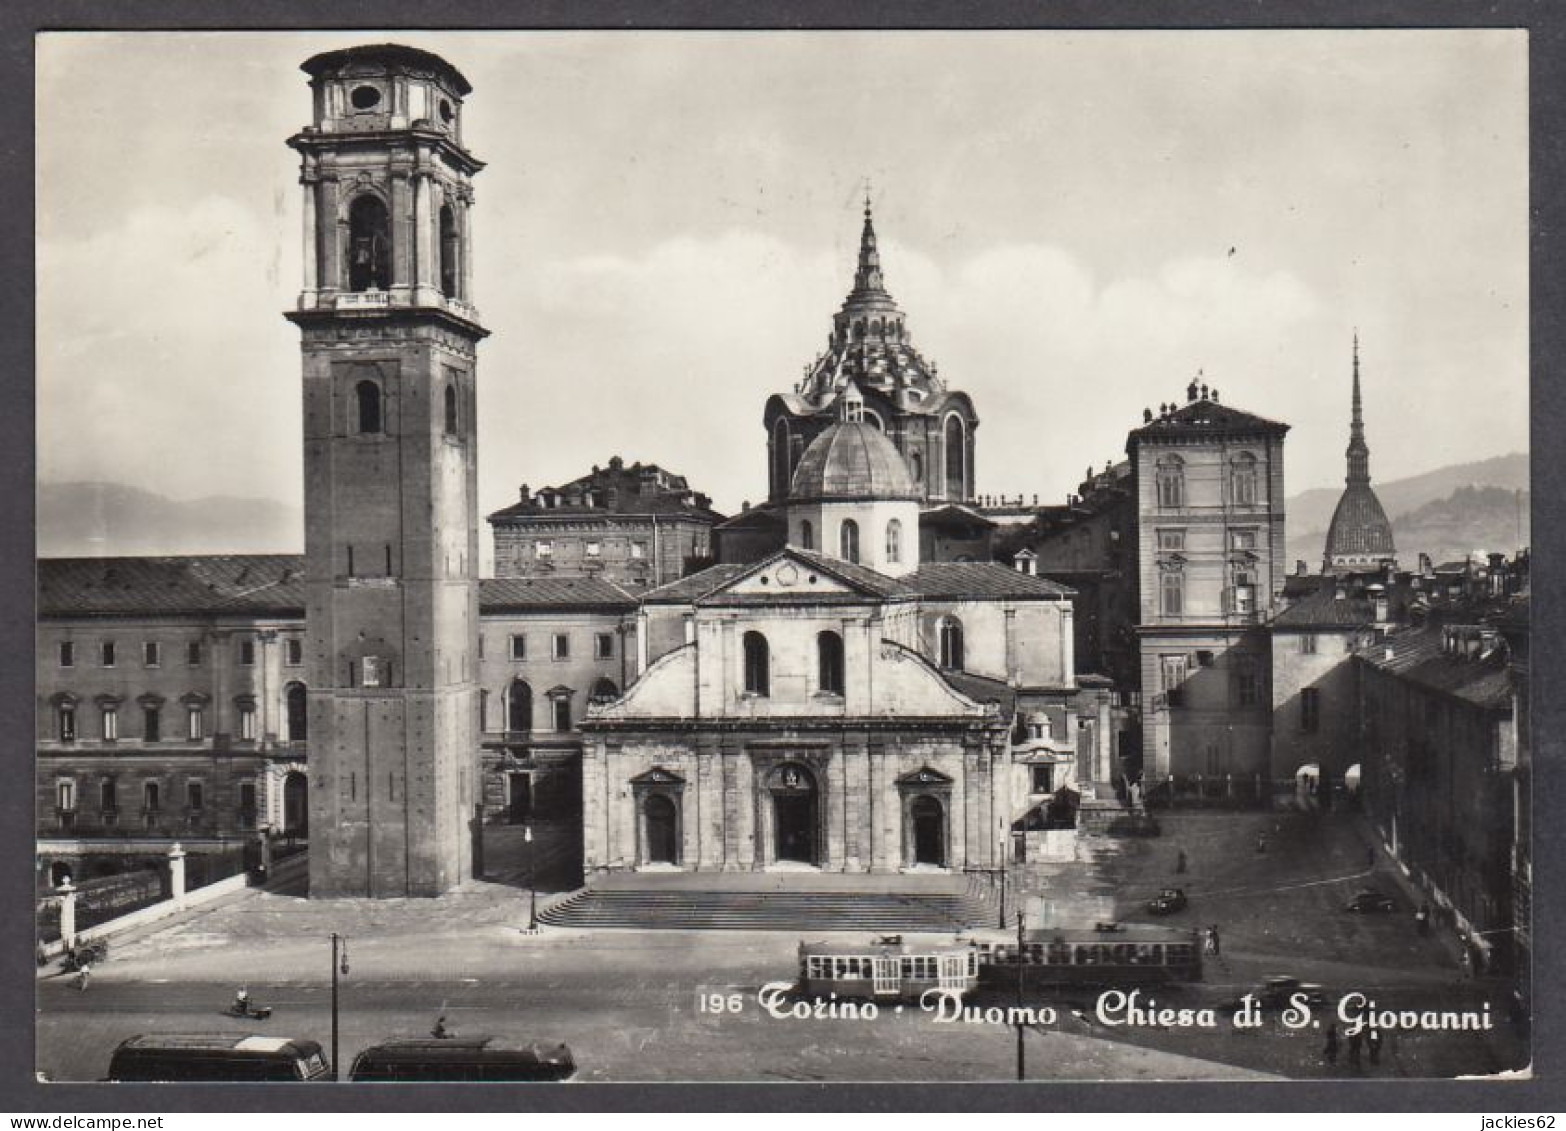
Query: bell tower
x,y
389,342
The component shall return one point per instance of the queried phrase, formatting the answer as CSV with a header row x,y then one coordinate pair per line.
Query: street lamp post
x,y
532,889
1021,1070
336,965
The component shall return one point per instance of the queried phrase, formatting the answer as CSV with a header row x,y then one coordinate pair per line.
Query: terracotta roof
x,y
255,585
955,580
764,515
616,489
1325,609
953,514
498,594
983,689
1418,657
204,585
1203,418
688,589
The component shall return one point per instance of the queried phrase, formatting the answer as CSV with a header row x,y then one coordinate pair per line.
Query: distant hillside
x,y
102,519
1445,513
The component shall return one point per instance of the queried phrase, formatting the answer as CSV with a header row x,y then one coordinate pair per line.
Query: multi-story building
x,y
1089,544
638,526
1439,741
548,648
1313,683
172,700
1210,562
171,707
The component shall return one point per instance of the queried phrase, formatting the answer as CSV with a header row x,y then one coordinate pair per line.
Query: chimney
x,y
1388,653
1378,600
1300,568
525,494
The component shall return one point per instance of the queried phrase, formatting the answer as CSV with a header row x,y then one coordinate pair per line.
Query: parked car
x,y
1369,900
1277,991
1167,902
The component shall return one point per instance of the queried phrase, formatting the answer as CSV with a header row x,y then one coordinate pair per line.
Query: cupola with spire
x,y
1360,536
869,348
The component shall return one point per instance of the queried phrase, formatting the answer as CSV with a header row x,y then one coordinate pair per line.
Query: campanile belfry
x,y
389,340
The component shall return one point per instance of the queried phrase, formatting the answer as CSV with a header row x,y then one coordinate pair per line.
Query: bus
x,y
463,1058
887,967
180,1057
1110,954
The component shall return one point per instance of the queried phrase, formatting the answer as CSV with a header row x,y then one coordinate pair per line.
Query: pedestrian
x,y
1467,963
1422,919
1180,862
1261,844
1207,941
1373,1043
1329,1051
1355,1041
440,1032
1213,941
83,974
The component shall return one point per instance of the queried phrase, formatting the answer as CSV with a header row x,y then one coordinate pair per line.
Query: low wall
x,y
282,870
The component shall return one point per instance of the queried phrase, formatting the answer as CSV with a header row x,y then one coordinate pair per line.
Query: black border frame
x,y
1545,22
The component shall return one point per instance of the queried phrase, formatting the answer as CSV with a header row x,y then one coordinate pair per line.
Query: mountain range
x,y
1445,513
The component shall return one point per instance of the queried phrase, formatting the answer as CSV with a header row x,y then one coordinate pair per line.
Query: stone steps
x,y
768,910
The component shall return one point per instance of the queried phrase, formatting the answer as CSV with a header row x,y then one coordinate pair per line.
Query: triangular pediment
x,y
788,574
658,776
924,776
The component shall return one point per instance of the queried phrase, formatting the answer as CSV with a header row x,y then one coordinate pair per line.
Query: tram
x,y
1110,954
888,967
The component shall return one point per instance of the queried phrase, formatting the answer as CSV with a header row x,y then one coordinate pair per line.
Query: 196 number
x,y
719,1003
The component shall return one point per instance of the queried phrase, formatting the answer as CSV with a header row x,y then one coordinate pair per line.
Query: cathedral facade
x,y
841,703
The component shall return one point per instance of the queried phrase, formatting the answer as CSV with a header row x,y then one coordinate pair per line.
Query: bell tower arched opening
x,y
369,244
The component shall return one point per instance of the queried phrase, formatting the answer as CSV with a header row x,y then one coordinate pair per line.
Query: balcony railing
x,y
363,300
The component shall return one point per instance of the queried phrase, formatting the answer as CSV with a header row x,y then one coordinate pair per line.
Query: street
x,y
629,1003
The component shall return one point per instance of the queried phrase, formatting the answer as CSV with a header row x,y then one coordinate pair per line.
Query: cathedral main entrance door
x,y
662,830
794,814
929,832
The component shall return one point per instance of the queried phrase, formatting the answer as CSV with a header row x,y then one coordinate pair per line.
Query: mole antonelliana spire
x,y
1360,537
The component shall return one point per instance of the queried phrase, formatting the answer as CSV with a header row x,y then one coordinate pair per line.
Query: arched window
x,y
829,662
894,540
1170,474
298,714
451,408
916,465
1242,480
448,252
807,535
950,634
369,245
848,541
782,472
956,459
758,665
604,691
368,396
519,707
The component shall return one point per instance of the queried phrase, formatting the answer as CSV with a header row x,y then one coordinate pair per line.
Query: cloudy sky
x,y
1075,223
